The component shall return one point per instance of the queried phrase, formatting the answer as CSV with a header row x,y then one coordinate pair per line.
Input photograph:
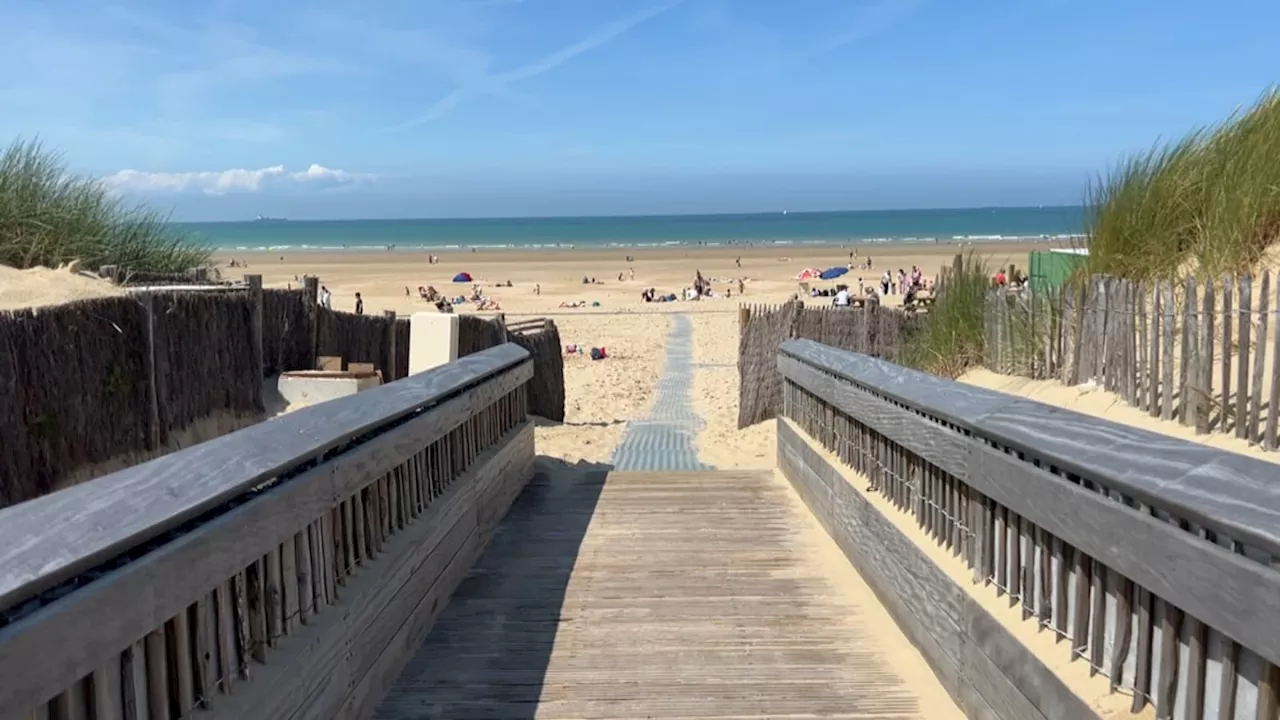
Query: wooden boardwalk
x,y
663,595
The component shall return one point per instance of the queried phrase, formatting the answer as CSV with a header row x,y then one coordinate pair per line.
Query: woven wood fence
x,y
1200,351
871,330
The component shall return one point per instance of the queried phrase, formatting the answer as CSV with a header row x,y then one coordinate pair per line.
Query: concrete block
x,y
310,387
433,340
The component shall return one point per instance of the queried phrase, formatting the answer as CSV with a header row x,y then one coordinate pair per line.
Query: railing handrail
x,y
1226,492
51,539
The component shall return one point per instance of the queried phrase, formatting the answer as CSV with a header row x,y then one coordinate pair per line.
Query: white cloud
x,y
220,182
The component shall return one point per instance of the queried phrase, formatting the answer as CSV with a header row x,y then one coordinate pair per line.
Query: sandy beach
x,y
603,396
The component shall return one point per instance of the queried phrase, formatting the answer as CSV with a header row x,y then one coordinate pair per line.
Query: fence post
x,y
153,390
311,296
1188,374
1244,347
389,366
501,320
744,317
255,337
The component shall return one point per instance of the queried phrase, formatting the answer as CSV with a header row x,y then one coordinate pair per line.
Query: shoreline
x,y
919,244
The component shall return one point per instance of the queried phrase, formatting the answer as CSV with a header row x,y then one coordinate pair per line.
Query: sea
x,y
774,228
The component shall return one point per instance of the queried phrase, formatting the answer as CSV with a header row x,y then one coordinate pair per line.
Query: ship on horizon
x,y
264,218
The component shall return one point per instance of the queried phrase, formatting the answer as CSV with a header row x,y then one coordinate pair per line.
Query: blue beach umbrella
x,y
834,272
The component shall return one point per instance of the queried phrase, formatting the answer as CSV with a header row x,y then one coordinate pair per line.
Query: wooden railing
x,y
283,571
1154,557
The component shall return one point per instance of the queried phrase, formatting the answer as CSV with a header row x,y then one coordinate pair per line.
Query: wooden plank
x,y
1272,440
1228,320
1186,374
1154,370
950,628
1243,348
52,538
1204,363
1259,350
389,365
103,617
1167,332
1231,593
257,357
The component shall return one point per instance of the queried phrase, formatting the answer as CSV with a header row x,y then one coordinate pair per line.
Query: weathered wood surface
x,y
53,538
632,595
982,665
1228,493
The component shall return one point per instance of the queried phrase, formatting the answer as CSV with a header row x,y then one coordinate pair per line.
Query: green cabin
x,y
1051,268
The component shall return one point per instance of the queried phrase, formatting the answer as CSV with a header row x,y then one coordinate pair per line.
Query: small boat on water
x,y
264,218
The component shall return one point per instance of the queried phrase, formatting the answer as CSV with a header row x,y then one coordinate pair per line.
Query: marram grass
x,y
950,340
1208,203
49,216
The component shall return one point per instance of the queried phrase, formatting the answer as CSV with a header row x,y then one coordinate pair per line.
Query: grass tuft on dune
x,y
1207,203
50,216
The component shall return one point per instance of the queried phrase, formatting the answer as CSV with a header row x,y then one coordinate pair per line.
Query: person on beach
x,y
359,304
326,298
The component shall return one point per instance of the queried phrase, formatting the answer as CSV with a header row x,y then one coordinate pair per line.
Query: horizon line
x,y
640,215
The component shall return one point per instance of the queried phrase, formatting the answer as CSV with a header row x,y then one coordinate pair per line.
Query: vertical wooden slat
x,y
1270,440
1155,371
1204,362
271,586
133,681
205,673
1189,373
1259,349
256,596
244,634
289,584
1144,358
1167,331
182,669
107,702
1228,318
157,675
304,566
1243,347
225,634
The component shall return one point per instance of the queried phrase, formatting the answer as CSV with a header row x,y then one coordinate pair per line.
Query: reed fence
x,y
546,389
1202,351
872,330
93,386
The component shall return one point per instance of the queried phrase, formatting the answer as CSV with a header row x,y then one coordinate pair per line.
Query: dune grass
x,y
1208,203
50,216
950,340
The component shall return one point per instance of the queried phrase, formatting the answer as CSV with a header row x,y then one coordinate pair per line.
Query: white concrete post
x,y
433,340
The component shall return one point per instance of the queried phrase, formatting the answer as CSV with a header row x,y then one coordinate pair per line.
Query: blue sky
x,y
414,108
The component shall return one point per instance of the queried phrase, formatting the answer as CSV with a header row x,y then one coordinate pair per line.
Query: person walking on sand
x,y
326,298
359,304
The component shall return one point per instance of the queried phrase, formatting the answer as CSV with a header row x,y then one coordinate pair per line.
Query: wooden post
x,y
1227,319
108,272
1189,372
1167,330
311,296
1260,355
1204,382
501,320
389,371
255,337
1244,346
153,390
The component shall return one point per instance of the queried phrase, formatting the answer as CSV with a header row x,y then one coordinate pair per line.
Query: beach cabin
x,y
1050,269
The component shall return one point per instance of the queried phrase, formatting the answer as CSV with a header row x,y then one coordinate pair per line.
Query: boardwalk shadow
x,y
489,650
